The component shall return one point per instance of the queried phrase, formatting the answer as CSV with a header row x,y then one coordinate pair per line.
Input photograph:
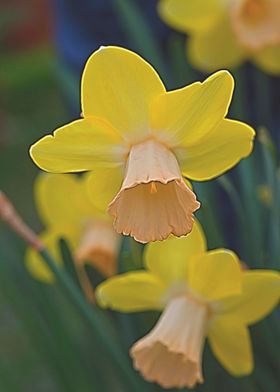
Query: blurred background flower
x,y
251,31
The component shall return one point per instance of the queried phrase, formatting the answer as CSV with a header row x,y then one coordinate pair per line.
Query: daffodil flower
x,y
201,294
225,33
140,139
66,211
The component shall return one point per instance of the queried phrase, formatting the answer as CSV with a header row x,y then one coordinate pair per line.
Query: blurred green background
x,y
45,343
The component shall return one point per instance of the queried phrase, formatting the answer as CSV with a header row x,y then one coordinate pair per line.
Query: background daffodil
x,y
66,211
225,33
139,139
201,293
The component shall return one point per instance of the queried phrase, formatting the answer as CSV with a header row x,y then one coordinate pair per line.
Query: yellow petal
x,y
215,48
119,85
268,59
231,344
217,152
182,117
215,275
260,294
190,15
78,146
103,185
169,259
131,292
61,199
35,263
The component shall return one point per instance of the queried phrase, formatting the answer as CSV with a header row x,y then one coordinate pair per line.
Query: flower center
x,y
253,10
99,246
154,200
256,23
171,353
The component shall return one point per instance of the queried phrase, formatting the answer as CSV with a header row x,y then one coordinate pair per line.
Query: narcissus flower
x,y
139,140
202,294
225,33
66,212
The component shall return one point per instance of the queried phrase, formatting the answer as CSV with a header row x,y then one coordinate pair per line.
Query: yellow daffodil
x,y
139,139
202,294
66,212
225,33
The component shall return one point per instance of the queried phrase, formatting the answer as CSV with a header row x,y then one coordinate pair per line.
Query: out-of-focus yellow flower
x,y
202,293
264,193
66,211
225,33
139,139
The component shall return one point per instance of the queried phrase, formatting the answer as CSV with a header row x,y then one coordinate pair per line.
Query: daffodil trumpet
x,y
202,295
140,140
67,212
226,33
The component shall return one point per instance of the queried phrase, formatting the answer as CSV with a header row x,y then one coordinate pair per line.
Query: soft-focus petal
x,y
35,263
215,275
119,85
169,259
131,292
217,152
103,185
231,344
190,15
260,294
268,59
256,22
99,246
61,199
216,48
78,146
182,117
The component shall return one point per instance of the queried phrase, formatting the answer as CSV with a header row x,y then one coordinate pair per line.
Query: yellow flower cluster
x,y
138,142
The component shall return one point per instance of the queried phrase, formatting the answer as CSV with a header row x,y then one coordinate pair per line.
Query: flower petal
x,y
169,259
119,86
131,292
61,199
268,59
182,117
231,344
190,15
103,185
35,263
260,294
78,146
217,152
215,274
215,48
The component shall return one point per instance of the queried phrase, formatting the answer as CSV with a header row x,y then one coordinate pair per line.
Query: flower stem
x,y
95,319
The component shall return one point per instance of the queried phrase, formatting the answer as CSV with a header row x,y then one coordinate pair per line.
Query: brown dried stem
x,y
10,216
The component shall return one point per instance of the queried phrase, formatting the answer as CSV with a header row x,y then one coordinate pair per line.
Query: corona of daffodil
x,y
66,211
140,139
202,294
225,33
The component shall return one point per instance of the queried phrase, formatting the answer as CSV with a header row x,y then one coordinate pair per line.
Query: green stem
x,y
247,177
94,322
140,33
236,201
271,180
